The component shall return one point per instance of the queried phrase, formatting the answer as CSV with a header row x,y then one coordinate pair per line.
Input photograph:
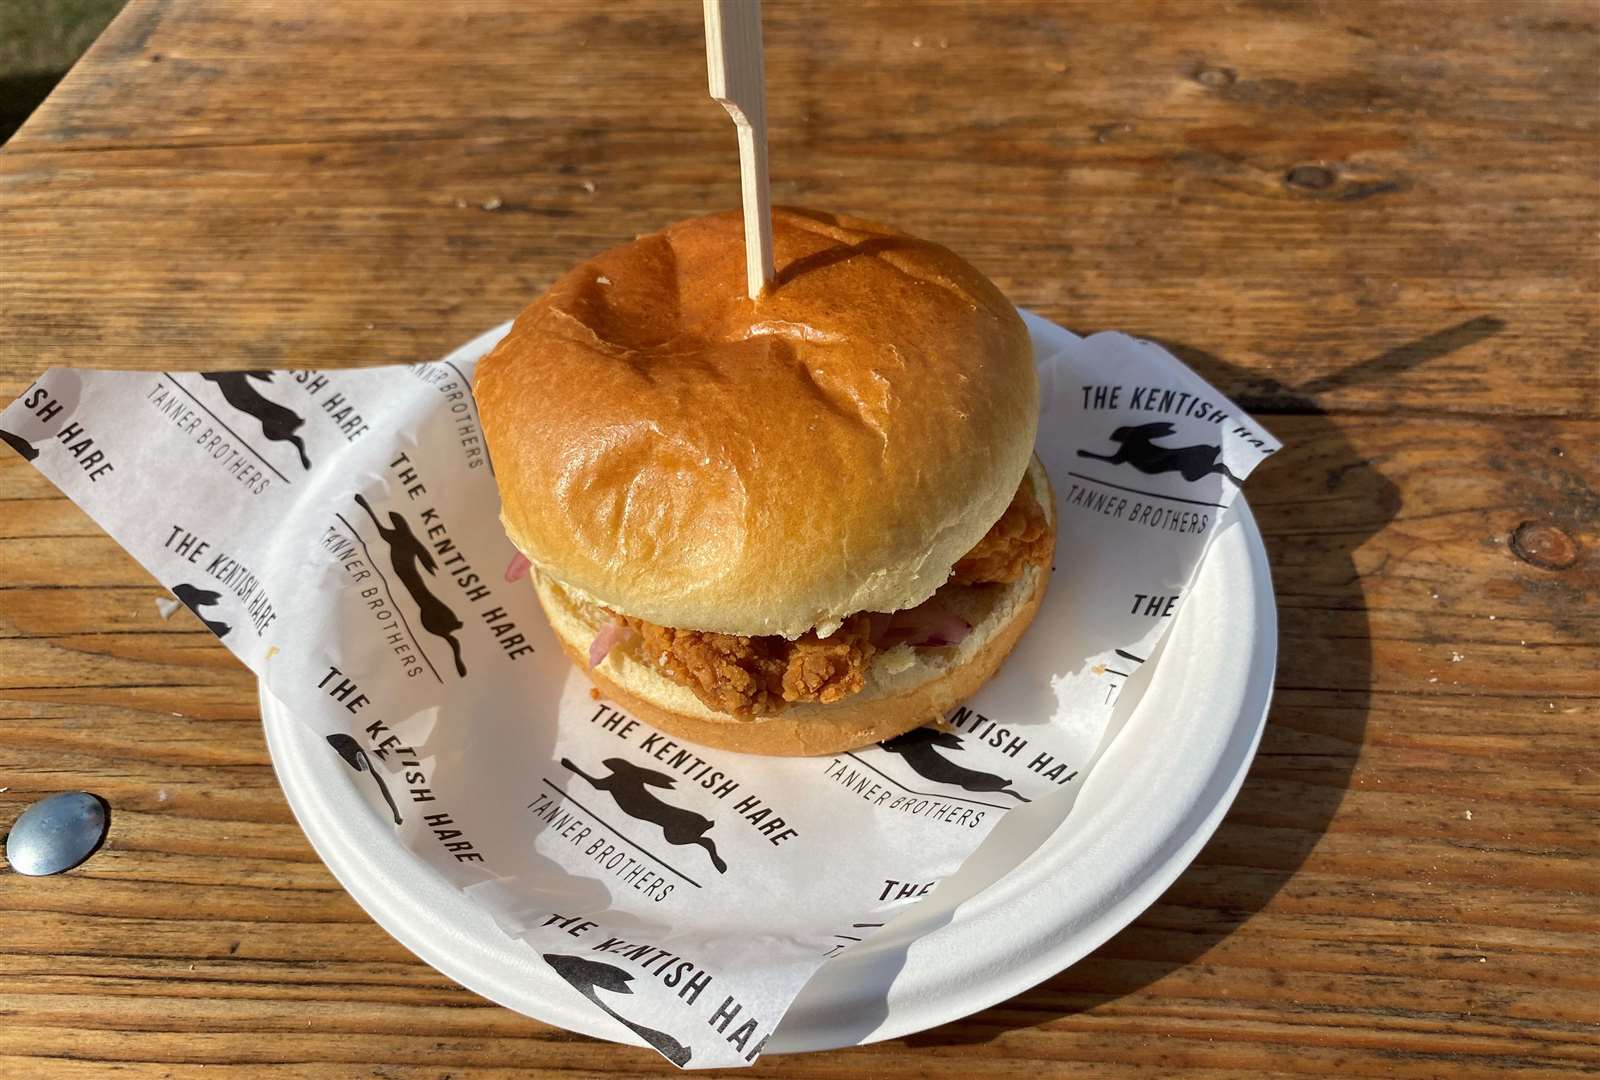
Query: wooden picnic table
x,y
1373,223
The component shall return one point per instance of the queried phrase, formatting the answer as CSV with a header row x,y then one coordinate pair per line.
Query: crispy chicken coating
x,y
1021,537
759,676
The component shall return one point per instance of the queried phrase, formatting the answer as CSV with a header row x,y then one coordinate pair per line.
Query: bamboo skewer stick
x,y
734,72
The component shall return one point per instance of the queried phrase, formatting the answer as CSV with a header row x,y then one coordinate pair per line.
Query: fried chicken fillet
x,y
759,676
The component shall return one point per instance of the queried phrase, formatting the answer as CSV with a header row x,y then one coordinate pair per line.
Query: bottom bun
x,y
905,687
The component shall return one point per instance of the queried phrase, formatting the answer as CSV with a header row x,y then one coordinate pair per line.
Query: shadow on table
x,y
1325,618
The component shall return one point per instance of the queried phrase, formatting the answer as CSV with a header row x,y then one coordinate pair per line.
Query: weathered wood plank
x,y
1367,207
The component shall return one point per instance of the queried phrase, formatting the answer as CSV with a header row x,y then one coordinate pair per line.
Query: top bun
x,y
700,460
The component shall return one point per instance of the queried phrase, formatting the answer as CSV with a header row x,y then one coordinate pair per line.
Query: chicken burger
x,y
791,525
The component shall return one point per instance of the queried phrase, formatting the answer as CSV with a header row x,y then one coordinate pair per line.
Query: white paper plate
x,y
1035,898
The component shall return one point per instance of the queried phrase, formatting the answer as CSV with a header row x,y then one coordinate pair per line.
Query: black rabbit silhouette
x,y
278,422
1136,447
919,749
629,785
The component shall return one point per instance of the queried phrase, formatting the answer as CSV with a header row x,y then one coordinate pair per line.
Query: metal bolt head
x,y
56,834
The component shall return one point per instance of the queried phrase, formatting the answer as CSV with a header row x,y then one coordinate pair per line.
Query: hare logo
x,y
409,555
194,598
357,759
629,786
919,749
278,422
1136,447
588,977
22,446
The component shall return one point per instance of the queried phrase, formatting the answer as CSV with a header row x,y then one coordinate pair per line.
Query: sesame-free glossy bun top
x,y
695,458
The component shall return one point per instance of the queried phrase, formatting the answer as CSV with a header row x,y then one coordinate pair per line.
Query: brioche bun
x,y
905,689
678,452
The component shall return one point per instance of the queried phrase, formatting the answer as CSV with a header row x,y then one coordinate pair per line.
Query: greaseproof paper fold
x,y
339,532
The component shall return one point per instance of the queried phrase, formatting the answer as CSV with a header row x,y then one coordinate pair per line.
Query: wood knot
x,y
1215,77
1543,545
1310,177
1104,133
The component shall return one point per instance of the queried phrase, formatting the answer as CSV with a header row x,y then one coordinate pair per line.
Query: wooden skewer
x,y
734,71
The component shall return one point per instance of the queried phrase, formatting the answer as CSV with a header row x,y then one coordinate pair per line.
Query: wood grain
x,y
1372,223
